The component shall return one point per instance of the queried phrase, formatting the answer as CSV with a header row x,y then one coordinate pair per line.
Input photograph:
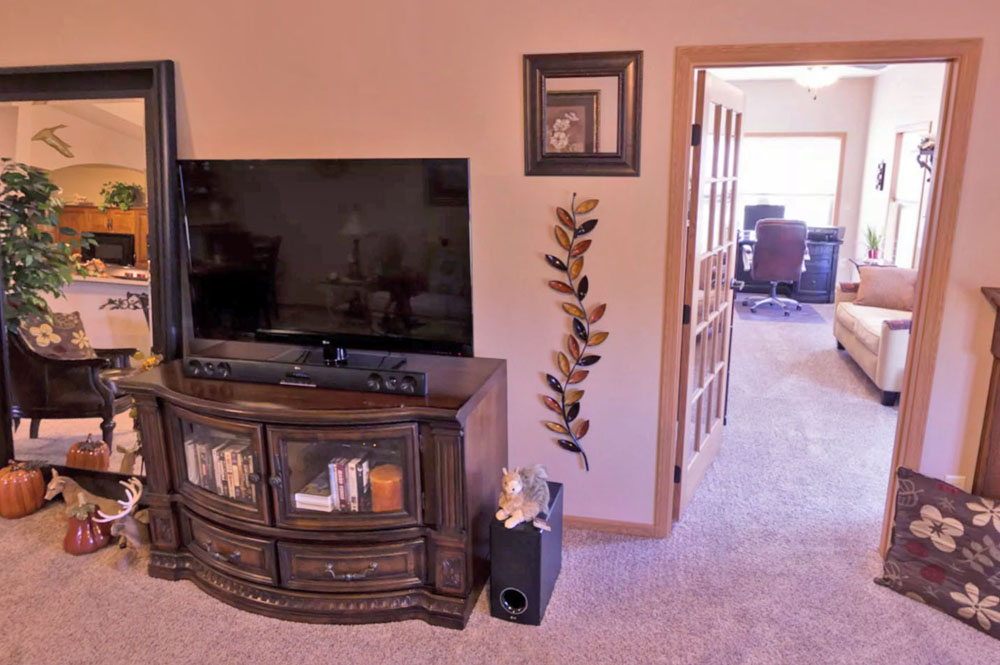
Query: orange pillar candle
x,y
387,488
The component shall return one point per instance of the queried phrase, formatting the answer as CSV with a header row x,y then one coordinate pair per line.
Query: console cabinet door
x,y
345,477
219,464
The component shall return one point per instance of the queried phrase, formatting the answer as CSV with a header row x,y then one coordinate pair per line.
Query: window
x,y
799,171
907,211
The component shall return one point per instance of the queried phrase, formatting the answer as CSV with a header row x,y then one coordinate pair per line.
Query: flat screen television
x,y
357,253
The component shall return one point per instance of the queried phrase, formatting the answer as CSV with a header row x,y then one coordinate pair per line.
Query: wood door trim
x,y
840,170
962,57
610,526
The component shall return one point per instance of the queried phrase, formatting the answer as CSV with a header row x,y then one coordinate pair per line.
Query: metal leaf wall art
x,y
569,233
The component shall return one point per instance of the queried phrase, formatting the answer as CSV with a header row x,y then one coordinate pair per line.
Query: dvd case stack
x,y
343,486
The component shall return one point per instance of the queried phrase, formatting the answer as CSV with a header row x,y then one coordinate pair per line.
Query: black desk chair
x,y
778,256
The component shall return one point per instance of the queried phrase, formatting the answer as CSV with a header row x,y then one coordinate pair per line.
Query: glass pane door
x,y
353,476
218,463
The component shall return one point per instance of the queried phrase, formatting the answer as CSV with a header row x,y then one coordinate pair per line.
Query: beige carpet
x,y
773,563
55,436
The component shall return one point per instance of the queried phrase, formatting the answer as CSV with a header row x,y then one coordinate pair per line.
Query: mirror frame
x,y
152,81
626,66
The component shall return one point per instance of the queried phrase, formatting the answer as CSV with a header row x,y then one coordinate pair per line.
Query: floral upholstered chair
x,y
55,373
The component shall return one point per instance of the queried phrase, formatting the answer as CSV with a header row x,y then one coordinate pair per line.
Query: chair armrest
x,y
123,351
119,358
846,292
98,363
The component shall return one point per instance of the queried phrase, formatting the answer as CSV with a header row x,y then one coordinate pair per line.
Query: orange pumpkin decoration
x,y
22,489
89,454
83,535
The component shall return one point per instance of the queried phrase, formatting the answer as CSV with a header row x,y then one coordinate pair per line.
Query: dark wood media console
x,y
228,468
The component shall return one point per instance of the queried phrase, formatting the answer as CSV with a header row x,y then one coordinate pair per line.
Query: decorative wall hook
x,y
569,233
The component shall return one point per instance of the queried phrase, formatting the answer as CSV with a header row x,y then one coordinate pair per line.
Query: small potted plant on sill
x,y
873,242
119,195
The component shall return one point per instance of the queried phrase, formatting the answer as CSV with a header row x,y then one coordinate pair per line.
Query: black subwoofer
x,y
524,565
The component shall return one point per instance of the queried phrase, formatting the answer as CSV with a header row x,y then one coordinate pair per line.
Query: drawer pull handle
x,y
219,556
350,577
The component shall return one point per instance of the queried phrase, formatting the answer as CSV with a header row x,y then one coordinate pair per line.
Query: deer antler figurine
x,y
132,530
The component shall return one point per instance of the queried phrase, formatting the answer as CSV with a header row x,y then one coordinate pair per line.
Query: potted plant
x,y
33,262
119,195
873,242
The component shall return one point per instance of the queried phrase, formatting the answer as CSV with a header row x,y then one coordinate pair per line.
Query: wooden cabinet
x,y
232,472
378,567
88,219
987,478
819,278
237,554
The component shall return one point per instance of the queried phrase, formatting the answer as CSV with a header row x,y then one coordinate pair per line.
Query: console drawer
x,y
374,567
239,555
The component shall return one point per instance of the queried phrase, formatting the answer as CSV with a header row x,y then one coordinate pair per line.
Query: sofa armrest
x,y
893,346
846,292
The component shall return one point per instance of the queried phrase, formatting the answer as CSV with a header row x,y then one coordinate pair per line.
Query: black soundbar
x,y
376,380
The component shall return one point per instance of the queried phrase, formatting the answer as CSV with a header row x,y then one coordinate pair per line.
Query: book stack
x,y
222,466
344,486
315,495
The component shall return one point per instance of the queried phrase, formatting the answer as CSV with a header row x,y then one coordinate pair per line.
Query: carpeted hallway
x,y
773,563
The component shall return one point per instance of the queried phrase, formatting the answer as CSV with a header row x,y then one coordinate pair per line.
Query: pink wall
x,y
316,78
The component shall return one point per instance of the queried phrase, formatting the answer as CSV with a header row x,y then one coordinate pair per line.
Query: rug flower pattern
x,y
946,550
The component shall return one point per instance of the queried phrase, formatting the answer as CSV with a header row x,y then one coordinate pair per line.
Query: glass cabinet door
x,y
218,463
353,477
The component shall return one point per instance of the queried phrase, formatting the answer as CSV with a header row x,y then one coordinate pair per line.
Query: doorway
x,y
961,59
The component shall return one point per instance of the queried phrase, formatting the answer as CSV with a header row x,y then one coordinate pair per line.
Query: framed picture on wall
x,y
572,120
571,99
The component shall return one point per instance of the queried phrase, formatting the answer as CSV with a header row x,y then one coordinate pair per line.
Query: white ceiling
x,y
787,72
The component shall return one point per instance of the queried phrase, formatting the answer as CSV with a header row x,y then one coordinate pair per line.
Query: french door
x,y
708,298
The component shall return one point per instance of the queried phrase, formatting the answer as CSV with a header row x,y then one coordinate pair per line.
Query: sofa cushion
x,y
887,287
61,338
866,322
945,550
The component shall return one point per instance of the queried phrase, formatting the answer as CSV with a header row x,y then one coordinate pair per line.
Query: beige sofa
x,y
876,339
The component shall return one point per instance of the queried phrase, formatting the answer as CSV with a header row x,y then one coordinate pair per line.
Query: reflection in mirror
x,y
581,114
63,369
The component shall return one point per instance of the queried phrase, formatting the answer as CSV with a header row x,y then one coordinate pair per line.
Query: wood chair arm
x,y
97,363
118,357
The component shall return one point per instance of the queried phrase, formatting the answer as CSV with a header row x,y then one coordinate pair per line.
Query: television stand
x,y
235,475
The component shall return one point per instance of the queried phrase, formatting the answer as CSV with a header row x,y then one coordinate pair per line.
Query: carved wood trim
x,y
443,474
309,606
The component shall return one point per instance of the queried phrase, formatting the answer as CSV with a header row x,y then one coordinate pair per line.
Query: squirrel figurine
x,y
525,494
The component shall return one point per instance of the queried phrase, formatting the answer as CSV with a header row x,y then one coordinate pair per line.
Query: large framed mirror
x,y
582,113
101,139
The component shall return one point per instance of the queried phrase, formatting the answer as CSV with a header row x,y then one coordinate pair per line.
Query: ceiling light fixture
x,y
814,78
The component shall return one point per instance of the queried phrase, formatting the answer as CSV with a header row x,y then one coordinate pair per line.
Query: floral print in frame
x,y
571,121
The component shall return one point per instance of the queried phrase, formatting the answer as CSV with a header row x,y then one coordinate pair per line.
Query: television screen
x,y
365,253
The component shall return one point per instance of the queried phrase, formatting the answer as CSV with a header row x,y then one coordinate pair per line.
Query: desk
x,y
819,279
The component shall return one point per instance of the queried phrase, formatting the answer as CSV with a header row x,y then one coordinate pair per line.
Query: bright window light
x,y
798,172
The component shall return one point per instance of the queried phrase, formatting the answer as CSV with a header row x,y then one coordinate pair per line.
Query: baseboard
x,y
610,526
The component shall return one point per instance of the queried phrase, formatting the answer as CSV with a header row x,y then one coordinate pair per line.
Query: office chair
x,y
778,256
